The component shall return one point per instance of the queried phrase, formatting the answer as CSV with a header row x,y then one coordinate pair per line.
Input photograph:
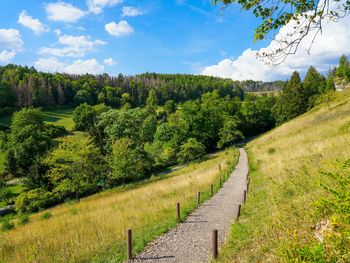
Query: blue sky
x,y
130,37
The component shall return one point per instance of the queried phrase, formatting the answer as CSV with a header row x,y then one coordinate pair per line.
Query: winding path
x,y
190,241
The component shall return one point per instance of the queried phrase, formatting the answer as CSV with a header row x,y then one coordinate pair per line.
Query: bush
x,y
191,150
34,200
271,150
24,219
7,225
55,131
46,215
84,117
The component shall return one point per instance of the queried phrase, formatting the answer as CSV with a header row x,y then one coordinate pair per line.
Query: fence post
x,y
199,199
245,196
220,182
239,211
214,243
212,189
129,244
178,212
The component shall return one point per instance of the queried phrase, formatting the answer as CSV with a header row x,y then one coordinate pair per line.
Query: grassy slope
x,y
61,117
285,170
93,230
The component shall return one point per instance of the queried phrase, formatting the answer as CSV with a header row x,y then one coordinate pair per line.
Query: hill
x,y
299,191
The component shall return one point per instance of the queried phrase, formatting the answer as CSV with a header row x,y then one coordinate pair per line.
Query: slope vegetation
x,y
93,230
289,210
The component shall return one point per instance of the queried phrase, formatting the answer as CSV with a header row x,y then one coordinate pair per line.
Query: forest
x,y
26,87
133,127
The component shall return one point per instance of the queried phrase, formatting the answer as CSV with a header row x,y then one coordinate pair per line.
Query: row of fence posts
x,y
214,235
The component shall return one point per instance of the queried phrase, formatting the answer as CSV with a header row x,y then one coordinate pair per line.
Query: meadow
x,y
93,230
287,168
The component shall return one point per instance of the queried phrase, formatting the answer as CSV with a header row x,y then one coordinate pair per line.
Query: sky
x,y
163,36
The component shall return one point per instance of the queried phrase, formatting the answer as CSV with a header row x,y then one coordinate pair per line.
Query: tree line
x,y
127,144
26,87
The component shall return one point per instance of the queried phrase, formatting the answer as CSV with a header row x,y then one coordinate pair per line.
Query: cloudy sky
x,y
166,36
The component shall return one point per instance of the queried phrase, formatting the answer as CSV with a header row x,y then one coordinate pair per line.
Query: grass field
x,y
286,165
61,117
94,229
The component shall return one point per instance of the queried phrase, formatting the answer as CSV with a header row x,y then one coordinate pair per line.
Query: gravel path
x,y
190,241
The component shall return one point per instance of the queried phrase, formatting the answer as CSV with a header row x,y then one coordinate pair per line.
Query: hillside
x,y
285,208
93,229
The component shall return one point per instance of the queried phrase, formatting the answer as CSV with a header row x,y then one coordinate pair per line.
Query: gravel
x,y
190,241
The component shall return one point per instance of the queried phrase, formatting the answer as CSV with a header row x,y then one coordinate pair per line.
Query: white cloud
x,y
131,11
58,32
10,44
79,66
49,65
96,6
334,41
121,29
63,12
73,46
31,23
85,66
7,56
109,62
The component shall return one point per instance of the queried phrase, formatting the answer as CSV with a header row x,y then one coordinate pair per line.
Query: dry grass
x,y
285,170
93,230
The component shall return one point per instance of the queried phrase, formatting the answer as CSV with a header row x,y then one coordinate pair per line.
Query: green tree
x,y
28,140
229,133
84,117
126,162
148,128
152,101
74,169
126,101
190,151
170,106
343,70
292,102
314,84
7,97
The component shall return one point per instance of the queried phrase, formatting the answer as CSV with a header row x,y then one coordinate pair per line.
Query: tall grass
x,y
94,229
286,168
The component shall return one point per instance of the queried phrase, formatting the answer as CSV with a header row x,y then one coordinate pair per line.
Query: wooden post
x,y
245,196
214,243
129,244
199,199
178,212
212,189
220,182
239,211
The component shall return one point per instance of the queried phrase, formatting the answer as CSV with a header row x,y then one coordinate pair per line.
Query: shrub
x,y
24,219
271,150
55,131
46,215
34,200
191,150
7,225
